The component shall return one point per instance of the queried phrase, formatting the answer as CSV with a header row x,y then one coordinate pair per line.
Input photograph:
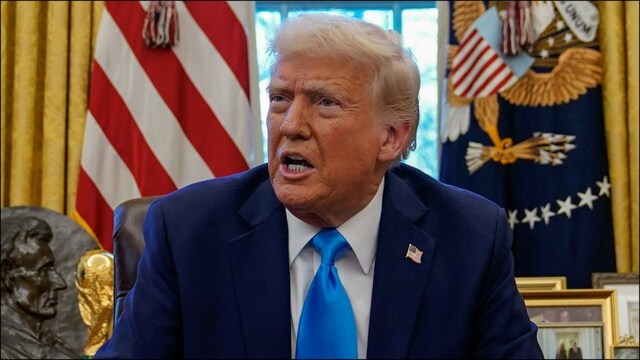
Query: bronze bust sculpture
x,y
30,286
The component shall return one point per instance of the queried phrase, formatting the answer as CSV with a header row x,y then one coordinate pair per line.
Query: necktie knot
x,y
330,243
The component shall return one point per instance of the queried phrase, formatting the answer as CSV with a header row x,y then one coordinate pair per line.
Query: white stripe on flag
x,y
217,84
484,75
466,47
494,86
157,123
463,60
478,66
244,11
105,167
469,64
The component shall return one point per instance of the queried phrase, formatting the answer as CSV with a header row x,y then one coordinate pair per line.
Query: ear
x,y
394,141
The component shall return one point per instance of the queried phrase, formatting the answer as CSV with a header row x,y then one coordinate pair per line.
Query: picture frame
x,y
586,316
583,339
541,283
627,299
625,351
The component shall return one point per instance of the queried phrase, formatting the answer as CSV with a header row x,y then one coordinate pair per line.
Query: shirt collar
x,y
361,232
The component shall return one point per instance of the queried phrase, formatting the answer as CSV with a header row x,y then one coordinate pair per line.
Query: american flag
x,y
479,69
160,119
414,254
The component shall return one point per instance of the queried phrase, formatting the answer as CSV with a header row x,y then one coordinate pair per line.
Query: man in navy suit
x,y
228,263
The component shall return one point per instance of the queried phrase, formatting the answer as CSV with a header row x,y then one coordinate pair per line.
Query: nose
x,y
295,124
57,282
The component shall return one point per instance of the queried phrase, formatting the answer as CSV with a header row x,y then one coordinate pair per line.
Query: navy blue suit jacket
x,y
213,280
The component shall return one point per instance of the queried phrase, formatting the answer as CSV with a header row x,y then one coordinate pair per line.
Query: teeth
x,y
295,167
295,157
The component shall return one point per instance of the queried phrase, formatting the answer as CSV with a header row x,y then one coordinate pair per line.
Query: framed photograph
x,y
575,322
541,283
627,299
626,351
571,340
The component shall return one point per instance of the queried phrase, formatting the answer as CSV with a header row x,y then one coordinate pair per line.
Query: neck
x,y
11,311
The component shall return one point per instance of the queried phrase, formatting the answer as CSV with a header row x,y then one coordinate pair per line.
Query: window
x,y
417,21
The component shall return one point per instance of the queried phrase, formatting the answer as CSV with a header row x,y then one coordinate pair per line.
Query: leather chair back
x,y
128,242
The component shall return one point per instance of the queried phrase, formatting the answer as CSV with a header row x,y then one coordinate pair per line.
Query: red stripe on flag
x,y
468,38
94,210
482,68
220,24
501,84
471,68
489,79
198,121
113,116
478,40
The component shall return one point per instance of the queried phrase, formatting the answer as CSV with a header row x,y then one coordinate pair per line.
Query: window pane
x,y
342,12
420,33
267,22
382,18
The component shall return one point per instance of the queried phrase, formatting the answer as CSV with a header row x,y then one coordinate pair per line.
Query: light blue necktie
x,y
327,328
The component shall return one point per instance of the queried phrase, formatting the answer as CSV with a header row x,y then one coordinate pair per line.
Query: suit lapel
x,y
261,274
399,282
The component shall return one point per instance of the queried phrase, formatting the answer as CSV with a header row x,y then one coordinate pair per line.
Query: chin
x,y
292,197
47,312
48,315
289,200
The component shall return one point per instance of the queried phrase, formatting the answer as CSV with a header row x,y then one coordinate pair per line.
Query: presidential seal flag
x,y
536,147
170,103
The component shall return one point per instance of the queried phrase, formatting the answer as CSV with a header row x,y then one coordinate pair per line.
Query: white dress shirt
x,y
355,268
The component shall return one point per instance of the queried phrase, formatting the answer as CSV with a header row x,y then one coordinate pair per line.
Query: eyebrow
x,y
313,88
45,261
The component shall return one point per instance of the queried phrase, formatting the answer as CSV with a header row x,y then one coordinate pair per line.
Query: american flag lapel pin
x,y
414,254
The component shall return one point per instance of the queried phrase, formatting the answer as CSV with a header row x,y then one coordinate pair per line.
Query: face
x,y
327,152
35,282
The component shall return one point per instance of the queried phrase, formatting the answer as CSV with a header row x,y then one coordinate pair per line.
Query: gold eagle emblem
x,y
575,68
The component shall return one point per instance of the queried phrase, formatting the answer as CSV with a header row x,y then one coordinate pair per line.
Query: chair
x,y
128,242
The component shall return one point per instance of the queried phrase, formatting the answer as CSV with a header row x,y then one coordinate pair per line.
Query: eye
x,y
46,268
328,102
276,98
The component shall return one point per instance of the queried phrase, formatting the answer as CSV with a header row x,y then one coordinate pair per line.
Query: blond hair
x,y
396,78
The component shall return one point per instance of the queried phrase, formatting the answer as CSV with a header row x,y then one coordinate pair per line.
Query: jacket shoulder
x,y
223,191
434,193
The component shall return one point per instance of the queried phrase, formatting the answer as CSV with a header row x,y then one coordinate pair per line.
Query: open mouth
x,y
296,163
